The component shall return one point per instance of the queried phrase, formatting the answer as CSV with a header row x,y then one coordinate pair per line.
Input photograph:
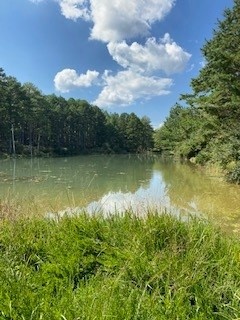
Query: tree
x,y
217,88
13,110
208,128
186,131
147,134
3,88
32,123
36,118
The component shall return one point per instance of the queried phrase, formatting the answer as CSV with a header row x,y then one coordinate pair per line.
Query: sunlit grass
x,y
16,206
13,208
123,267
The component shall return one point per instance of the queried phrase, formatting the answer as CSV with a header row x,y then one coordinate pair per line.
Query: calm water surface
x,y
111,183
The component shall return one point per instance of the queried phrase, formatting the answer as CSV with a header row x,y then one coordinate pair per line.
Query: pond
x,y
111,183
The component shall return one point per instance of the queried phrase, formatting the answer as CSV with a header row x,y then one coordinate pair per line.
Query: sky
x,y
121,55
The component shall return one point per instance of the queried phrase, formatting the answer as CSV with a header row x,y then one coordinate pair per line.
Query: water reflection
x,y
115,183
73,181
192,188
152,197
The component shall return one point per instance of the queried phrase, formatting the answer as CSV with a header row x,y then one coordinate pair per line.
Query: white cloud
x,y
191,67
119,19
113,22
202,63
124,19
128,86
36,1
164,55
68,79
158,125
74,9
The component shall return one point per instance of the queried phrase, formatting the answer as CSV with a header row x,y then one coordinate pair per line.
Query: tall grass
x,y
120,267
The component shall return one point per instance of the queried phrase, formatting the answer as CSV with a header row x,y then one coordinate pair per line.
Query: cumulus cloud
x,y
164,55
127,86
117,20
68,79
124,19
74,9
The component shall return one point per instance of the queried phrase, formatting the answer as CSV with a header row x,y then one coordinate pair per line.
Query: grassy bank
x,y
117,268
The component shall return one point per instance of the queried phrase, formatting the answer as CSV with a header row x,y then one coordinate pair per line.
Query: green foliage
x,y
186,131
119,268
129,133
208,127
34,124
233,174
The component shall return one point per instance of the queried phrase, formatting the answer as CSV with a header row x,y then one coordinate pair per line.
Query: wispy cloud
x,y
202,63
36,1
192,66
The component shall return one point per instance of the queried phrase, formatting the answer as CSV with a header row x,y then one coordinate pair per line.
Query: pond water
x,y
116,182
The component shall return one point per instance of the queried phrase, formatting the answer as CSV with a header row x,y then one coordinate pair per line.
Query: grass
x,y
120,267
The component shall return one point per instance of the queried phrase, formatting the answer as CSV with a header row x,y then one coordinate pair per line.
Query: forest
x,y
35,124
204,127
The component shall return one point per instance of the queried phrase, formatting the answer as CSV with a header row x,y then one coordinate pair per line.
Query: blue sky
x,y
122,55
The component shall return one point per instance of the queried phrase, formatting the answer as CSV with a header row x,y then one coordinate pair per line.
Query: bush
x,y
233,174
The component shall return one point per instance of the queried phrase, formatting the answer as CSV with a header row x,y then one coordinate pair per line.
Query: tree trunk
x,y
38,143
13,141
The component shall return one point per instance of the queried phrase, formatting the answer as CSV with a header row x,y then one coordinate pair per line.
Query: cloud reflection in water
x,y
152,198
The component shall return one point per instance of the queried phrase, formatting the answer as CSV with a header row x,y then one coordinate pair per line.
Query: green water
x,y
111,183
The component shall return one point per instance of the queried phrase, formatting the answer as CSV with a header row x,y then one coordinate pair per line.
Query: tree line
x,y
206,125
32,123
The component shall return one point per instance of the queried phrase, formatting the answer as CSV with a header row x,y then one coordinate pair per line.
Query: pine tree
x,y
217,88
